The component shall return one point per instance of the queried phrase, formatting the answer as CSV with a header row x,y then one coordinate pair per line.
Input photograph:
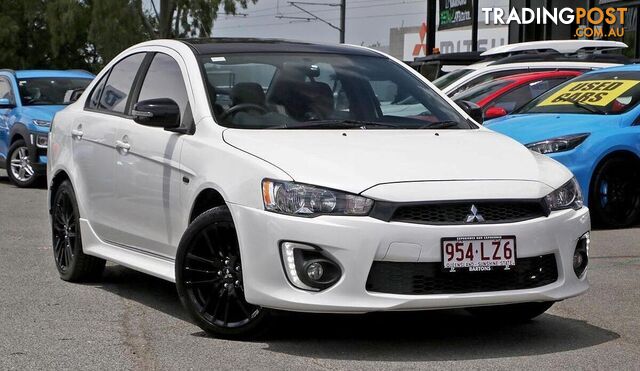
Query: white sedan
x,y
262,175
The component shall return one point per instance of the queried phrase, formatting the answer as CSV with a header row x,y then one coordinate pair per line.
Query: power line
x,y
312,17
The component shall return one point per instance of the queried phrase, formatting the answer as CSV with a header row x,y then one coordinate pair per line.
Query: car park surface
x,y
129,320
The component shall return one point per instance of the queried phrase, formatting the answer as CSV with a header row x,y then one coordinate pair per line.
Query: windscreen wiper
x,y
339,124
588,107
441,125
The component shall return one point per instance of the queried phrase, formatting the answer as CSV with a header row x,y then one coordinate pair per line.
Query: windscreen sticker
x,y
595,93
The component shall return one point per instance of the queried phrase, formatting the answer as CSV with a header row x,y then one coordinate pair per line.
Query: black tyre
x,y
512,313
73,265
209,278
614,200
19,167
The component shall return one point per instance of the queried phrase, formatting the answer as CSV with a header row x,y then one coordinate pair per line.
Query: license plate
x,y
483,253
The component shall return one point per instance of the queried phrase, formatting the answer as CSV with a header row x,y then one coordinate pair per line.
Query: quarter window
x,y
118,86
164,80
95,94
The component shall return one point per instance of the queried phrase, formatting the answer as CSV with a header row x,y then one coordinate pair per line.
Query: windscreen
x,y
482,91
290,90
446,80
43,91
604,93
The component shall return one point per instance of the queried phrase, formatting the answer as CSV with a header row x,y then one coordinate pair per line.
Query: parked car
x,y
293,190
28,101
503,95
535,56
590,124
437,65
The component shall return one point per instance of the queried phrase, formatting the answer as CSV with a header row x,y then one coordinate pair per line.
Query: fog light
x,y
307,267
581,255
42,141
315,271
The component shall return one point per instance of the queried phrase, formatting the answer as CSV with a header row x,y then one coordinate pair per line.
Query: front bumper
x,y
38,151
356,242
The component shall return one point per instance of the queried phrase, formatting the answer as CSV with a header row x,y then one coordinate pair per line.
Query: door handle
x,y
124,146
77,133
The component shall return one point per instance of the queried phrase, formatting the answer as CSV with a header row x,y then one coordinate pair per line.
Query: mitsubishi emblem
x,y
474,217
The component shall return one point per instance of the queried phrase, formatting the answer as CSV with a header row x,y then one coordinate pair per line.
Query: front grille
x,y
429,278
457,213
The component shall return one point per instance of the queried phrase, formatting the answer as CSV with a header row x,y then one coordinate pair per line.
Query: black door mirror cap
x,y
472,110
160,112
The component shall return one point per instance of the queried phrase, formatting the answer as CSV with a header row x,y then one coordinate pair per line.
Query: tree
x,y
186,18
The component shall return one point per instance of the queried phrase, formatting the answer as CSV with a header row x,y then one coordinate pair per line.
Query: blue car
x,y
28,101
591,124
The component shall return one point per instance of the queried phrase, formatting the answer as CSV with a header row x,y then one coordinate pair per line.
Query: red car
x,y
504,95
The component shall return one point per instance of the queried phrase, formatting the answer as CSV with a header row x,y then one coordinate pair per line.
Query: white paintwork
x,y
560,46
484,68
135,207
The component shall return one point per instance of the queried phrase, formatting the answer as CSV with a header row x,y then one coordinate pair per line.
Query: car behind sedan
x,y
590,124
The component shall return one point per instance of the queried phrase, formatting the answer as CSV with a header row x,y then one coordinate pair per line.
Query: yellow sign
x,y
594,93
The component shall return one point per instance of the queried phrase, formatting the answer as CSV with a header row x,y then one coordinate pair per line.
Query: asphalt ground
x,y
129,320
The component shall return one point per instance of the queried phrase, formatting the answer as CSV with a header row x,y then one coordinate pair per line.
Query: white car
x,y
262,175
512,59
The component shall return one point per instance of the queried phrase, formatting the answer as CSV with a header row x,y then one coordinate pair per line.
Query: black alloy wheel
x,y
72,263
615,193
209,278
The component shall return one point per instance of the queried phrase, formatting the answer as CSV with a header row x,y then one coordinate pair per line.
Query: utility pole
x,y
431,27
474,25
312,17
343,19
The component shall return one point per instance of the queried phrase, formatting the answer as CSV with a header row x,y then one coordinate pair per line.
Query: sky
x,y
368,21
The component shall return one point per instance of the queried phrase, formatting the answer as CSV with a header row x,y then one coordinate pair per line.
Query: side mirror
x,y
75,94
6,103
494,112
472,110
161,113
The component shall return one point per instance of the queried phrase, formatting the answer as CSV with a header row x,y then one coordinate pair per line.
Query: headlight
x,y
307,200
42,122
569,196
559,144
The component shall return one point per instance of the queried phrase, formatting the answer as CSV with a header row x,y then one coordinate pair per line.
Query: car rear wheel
x,y
19,167
512,312
73,265
615,193
209,278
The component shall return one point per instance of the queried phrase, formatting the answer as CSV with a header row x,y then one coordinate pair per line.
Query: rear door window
x,y
118,86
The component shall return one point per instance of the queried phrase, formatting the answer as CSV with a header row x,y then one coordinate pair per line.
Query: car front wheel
x,y
19,167
615,193
512,312
209,278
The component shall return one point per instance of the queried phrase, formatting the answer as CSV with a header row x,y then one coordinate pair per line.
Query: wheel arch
x,y
207,199
56,180
18,131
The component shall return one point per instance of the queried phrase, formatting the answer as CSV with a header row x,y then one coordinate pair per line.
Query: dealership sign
x,y
455,13
590,21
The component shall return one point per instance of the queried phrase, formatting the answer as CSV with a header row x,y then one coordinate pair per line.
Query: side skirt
x,y
135,259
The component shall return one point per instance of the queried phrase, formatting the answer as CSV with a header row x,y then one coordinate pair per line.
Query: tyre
x,y
73,265
209,278
614,201
512,313
19,167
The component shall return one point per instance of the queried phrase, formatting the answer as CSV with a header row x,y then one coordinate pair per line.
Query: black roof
x,y
452,58
225,45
